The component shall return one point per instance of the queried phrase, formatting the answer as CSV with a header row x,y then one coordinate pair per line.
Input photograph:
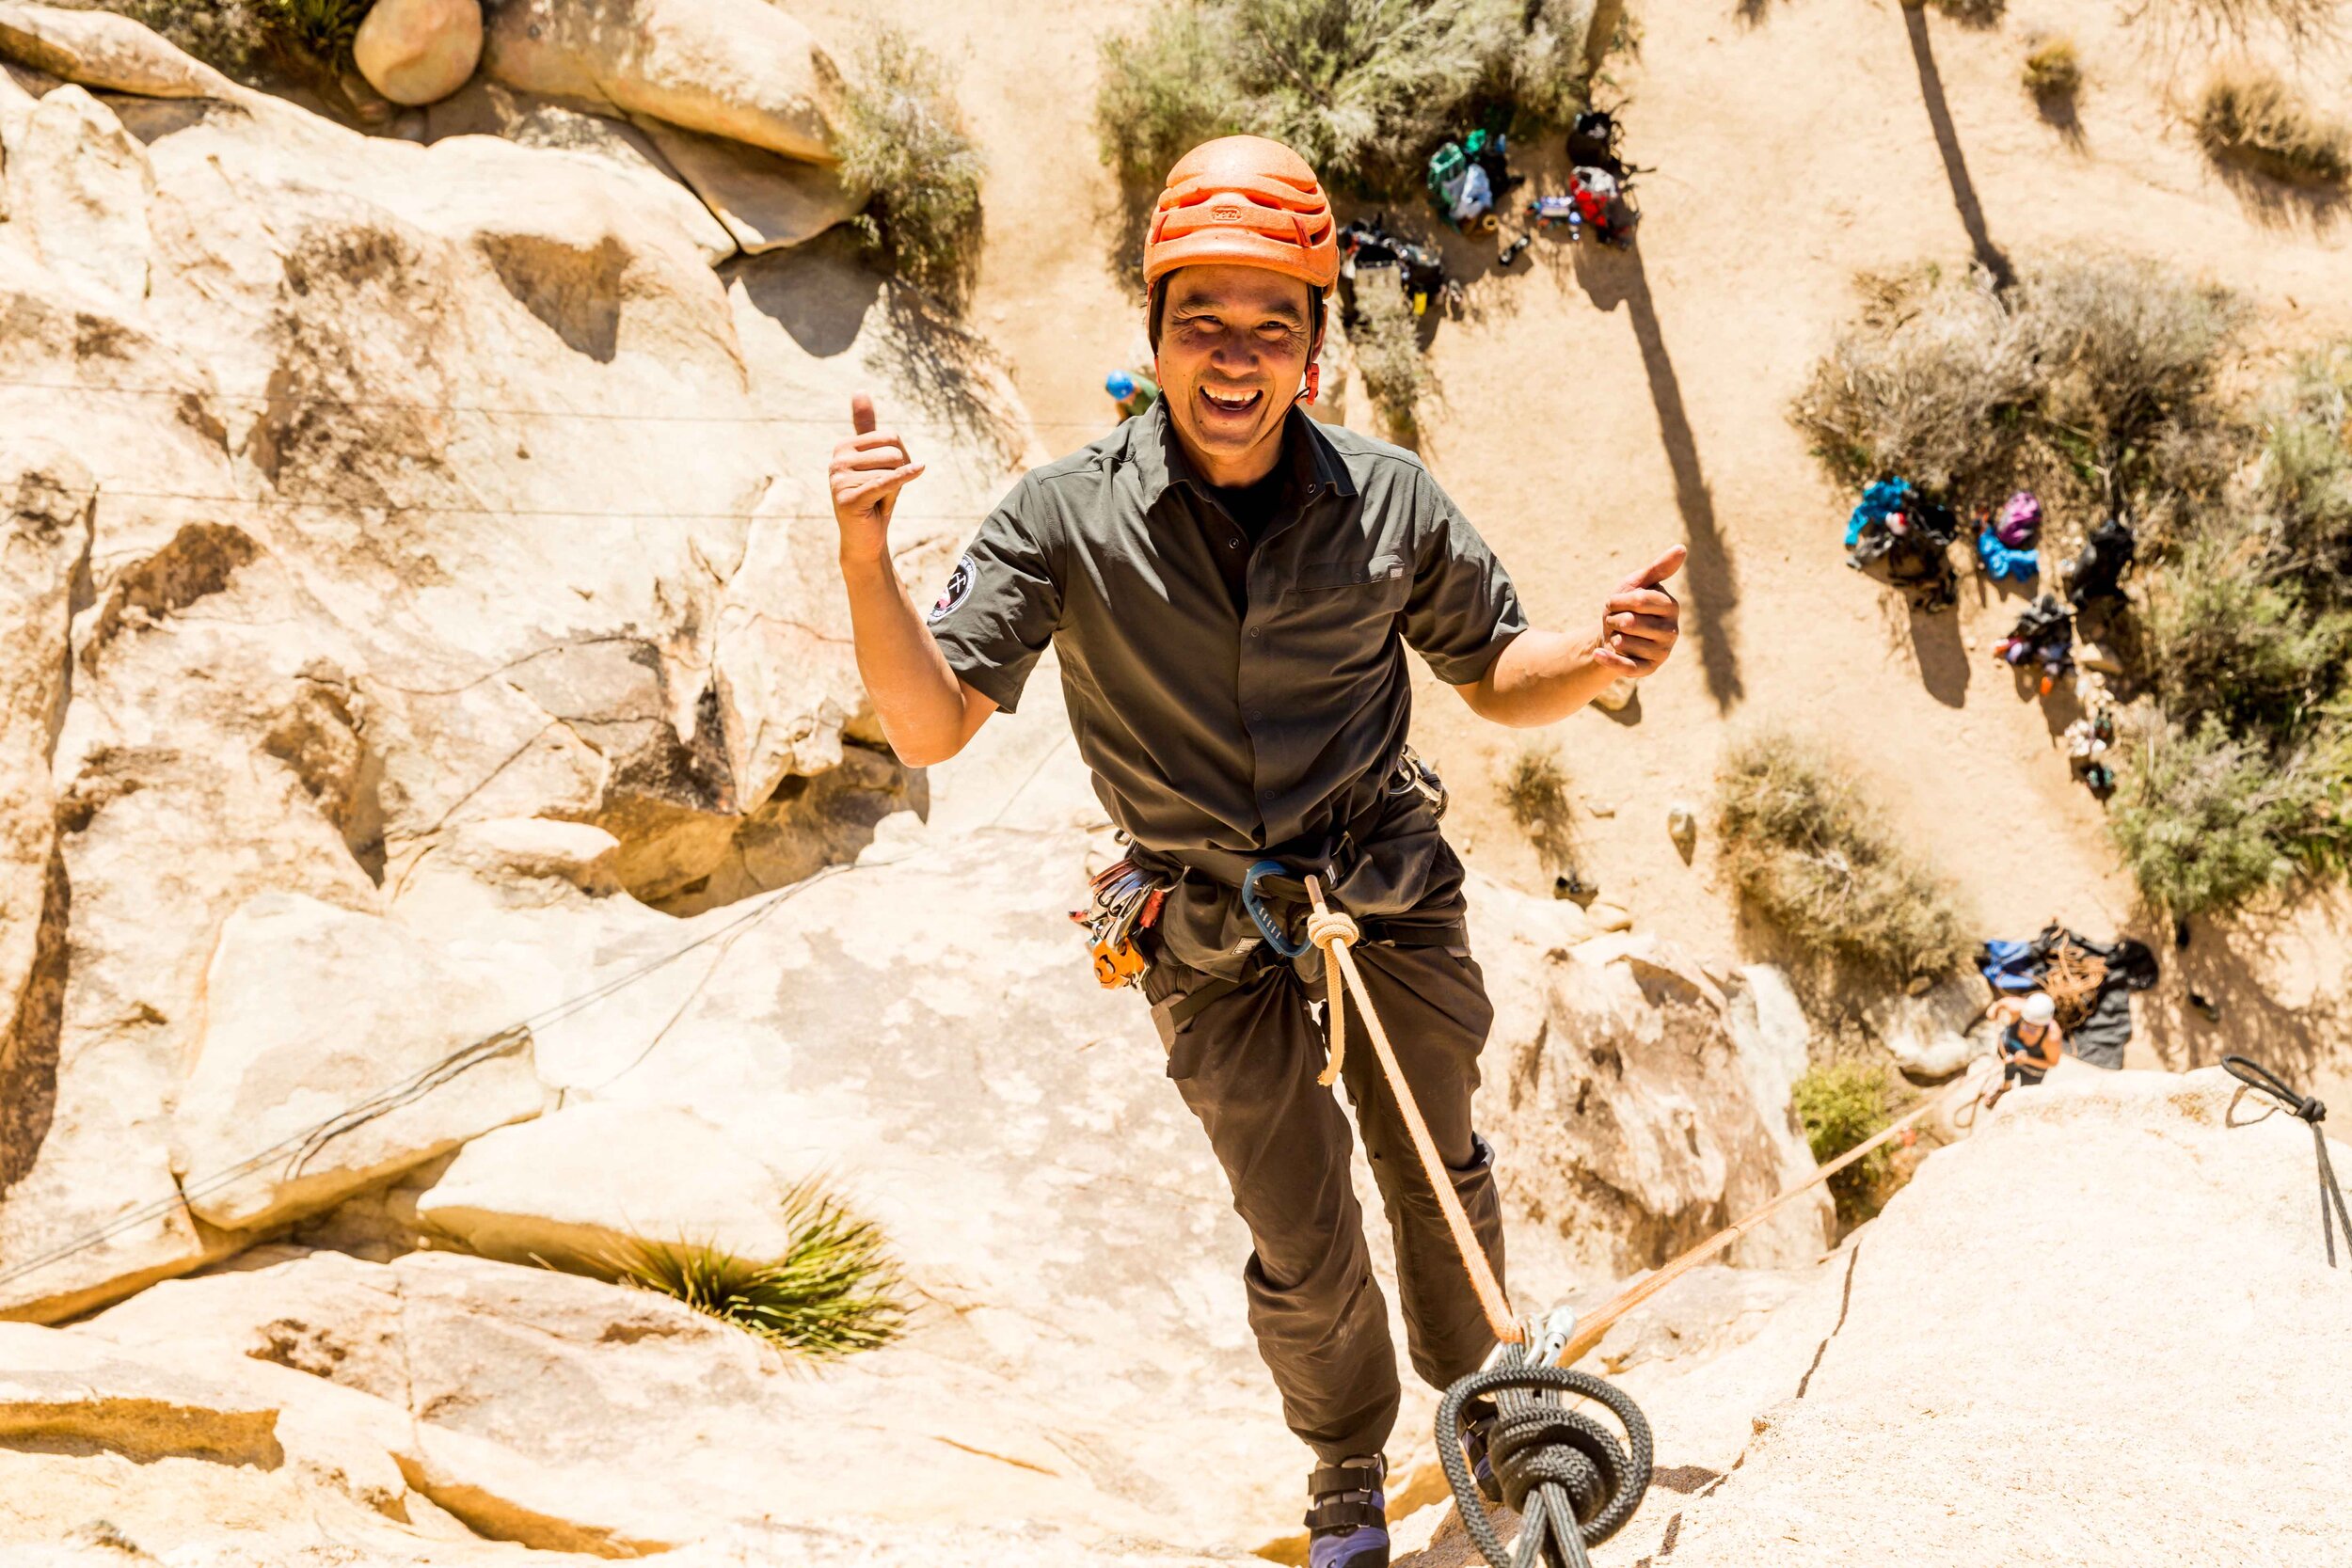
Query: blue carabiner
x,y
1284,946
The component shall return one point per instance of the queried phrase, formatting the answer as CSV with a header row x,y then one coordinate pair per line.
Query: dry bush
x,y
2258,122
904,137
2093,382
1362,88
243,36
1804,847
1536,792
1384,338
2213,20
2303,483
2206,822
1930,384
2054,70
1973,13
2231,641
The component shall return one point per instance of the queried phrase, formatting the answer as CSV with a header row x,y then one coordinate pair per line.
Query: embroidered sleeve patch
x,y
952,596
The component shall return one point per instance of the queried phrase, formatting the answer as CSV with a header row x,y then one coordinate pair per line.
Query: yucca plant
x,y
836,1290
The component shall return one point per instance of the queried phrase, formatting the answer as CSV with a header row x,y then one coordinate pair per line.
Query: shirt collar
x,y
1160,461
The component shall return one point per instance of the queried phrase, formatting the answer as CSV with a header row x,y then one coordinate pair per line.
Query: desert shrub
x,y
2053,69
1362,88
2256,120
903,136
2215,20
1536,794
1840,1104
1801,845
2094,380
1930,383
2205,822
2303,483
239,36
1386,340
2229,642
836,1290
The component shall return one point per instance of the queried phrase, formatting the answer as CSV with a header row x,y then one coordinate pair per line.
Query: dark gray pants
x,y
1245,1062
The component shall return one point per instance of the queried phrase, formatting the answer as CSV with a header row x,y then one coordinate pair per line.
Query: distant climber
x,y
1132,393
1231,587
2031,1042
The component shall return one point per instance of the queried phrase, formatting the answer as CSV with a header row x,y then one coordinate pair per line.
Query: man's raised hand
x,y
869,471
1641,621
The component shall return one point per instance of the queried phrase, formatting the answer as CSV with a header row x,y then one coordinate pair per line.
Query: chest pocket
x,y
1339,576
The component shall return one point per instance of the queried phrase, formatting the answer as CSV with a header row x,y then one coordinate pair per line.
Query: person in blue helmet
x,y
1132,394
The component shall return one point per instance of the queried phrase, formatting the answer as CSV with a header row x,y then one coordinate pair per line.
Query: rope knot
x,y
1327,925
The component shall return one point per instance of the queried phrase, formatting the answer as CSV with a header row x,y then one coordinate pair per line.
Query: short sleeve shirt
x,y
1257,726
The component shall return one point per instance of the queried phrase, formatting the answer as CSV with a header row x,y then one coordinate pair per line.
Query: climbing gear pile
x,y
2331,1207
1121,901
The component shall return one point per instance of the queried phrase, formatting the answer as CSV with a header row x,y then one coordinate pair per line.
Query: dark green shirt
x,y
1214,721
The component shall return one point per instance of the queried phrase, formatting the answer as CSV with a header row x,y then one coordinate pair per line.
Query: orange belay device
x,y
1121,901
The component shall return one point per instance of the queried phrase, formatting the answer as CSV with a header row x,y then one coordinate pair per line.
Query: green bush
x,y
1363,89
2303,484
904,137
2205,822
1801,845
2258,122
836,1291
1385,341
1840,1104
2230,643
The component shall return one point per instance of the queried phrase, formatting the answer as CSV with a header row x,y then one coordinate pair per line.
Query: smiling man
x,y
1231,588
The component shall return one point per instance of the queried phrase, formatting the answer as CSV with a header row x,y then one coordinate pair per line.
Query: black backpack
x,y
1593,140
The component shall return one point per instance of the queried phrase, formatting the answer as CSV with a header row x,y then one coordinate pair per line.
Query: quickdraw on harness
x,y
1120,902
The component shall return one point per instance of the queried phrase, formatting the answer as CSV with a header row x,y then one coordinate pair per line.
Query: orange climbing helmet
x,y
1244,201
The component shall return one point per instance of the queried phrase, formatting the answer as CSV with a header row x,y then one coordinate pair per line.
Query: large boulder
x,y
423,487
579,1187
310,1010
766,201
418,51
99,49
737,69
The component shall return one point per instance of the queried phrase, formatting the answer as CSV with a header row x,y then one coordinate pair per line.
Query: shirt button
x,y
1265,795
1255,716
1232,544
1253,631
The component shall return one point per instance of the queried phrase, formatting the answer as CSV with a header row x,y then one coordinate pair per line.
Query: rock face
x,y
739,69
418,51
371,493
2033,1352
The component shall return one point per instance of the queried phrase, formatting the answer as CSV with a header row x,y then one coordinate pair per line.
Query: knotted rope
x,y
2331,1208
1336,933
1571,1480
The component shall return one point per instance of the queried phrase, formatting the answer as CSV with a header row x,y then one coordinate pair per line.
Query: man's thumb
x,y
1658,570
862,413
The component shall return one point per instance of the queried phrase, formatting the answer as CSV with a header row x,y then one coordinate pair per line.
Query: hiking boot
x,y
1348,1524
1478,1429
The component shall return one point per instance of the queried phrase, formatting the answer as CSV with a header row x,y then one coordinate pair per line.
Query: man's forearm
x,y
1539,678
918,698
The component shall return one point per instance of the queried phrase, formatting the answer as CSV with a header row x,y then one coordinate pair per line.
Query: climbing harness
x,y
2331,1208
1124,899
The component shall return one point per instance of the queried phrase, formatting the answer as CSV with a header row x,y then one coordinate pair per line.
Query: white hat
x,y
2039,1008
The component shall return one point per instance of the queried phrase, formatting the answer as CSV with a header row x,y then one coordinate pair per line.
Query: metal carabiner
x,y
1284,946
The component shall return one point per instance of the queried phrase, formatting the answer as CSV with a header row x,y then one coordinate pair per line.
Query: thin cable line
x,y
494,410
302,504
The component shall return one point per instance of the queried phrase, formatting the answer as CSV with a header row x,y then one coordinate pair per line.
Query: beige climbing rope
x,y
1591,1330
1335,932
